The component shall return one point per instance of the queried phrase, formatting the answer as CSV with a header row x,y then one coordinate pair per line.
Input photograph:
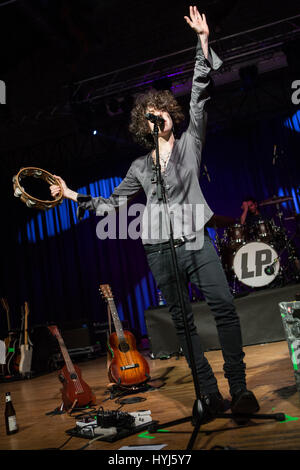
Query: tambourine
x,y
31,201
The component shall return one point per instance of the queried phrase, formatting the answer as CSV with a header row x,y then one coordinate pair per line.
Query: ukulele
x,y
127,367
26,347
75,391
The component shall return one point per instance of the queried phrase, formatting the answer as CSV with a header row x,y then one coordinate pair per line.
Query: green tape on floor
x,y
146,435
288,418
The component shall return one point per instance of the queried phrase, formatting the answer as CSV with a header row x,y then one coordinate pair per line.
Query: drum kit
x,y
259,255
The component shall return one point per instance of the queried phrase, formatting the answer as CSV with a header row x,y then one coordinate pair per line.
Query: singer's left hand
x,y
198,23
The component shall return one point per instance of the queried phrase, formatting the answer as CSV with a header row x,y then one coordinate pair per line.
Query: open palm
x,y
197,22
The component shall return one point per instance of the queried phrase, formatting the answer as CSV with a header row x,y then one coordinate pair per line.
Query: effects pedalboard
x,y
111,425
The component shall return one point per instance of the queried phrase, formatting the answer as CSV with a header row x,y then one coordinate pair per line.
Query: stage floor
x,y
269,373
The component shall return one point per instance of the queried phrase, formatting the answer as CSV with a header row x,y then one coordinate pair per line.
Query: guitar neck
x,y
65,354
6,307
116,320
26,325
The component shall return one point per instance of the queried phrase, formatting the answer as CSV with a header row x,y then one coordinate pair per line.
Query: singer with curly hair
x,y
199,263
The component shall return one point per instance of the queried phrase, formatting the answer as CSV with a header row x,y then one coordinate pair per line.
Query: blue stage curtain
x,y
61,263
68,263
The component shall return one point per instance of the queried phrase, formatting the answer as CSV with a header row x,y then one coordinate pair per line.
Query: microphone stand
x,y
200,411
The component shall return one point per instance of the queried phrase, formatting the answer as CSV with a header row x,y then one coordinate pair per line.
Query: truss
x,y
262,45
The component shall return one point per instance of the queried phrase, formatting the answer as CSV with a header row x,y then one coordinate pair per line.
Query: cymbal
x,y
220,221
275,200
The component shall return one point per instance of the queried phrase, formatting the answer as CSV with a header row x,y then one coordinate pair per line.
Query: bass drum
x,y
251,262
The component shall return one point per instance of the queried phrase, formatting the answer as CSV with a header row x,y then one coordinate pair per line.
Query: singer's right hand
x,y
55,188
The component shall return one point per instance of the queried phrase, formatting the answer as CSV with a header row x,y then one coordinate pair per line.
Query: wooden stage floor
x,y
269,373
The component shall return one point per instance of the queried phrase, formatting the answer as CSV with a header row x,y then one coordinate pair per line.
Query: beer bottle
x,y
10,416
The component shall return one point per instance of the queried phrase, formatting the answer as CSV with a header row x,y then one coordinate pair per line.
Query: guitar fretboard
x,y
66,355
116,320
67,359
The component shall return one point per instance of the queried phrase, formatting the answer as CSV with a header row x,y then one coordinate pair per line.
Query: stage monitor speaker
x,y
258,312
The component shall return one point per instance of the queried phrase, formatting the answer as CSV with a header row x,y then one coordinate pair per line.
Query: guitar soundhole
x,y
124,347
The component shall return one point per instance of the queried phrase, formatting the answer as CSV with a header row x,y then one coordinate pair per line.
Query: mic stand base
x,y
201,415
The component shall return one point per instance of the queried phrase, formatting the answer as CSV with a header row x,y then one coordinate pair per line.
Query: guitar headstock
x,y
54,330
26,309
5,304
106,291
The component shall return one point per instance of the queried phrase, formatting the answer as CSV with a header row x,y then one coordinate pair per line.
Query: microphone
x,y
155,119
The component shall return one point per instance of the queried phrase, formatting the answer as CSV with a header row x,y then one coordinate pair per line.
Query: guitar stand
x,y
116,392
201,416
61,409
58,411
69,411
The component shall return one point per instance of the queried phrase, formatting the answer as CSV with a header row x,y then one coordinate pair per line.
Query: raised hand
x,y
198,22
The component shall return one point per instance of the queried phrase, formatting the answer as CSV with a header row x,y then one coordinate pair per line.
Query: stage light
x,y
95,132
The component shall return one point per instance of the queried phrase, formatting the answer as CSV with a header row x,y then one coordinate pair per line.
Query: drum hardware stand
x,y
269,270
199,412
279,215
234,289
217,240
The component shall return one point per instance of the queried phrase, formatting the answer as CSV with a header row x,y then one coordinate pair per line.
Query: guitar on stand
x,y
11,343
5,344
75,392
26,348
127,367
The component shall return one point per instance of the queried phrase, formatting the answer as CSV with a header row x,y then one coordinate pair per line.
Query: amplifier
x,y
85,336
81,340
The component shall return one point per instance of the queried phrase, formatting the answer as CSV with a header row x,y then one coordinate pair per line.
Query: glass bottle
x,y
10,416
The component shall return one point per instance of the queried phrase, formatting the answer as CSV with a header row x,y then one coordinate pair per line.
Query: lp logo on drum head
x,y
250,262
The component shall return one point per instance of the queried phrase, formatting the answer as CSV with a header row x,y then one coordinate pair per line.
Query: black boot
x,y
244,402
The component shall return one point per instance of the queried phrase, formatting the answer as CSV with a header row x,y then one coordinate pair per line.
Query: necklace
x,y
164,160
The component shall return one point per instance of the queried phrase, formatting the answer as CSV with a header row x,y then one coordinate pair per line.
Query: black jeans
x,y
203,268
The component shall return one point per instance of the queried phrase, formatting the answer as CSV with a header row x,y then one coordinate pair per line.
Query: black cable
x,y
130,401
90,442
218,447
65,443
60,447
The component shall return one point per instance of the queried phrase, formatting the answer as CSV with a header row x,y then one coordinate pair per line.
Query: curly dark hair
x,y
162,100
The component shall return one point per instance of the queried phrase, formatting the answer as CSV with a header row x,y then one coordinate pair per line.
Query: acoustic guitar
x,y
127,367
26,347
75,391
